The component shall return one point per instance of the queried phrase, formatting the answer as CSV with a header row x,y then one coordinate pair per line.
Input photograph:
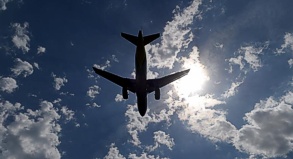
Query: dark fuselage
x,y
140,85
141,73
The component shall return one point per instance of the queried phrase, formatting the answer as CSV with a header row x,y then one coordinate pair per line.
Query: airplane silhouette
x,y
141,85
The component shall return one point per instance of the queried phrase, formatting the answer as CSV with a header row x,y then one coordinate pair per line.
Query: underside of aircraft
x,y
141,86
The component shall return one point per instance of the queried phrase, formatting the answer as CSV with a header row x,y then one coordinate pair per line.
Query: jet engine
x,y
157,94
124,93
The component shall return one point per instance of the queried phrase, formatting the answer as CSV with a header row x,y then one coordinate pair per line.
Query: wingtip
x,y
95,69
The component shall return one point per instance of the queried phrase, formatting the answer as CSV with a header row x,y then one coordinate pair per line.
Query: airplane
x,y
141,86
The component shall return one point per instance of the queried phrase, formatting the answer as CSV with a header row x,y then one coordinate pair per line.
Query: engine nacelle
x,y
124,93
157,94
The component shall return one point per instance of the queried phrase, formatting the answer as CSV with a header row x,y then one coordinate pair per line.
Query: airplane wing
x,y
123,82
153,84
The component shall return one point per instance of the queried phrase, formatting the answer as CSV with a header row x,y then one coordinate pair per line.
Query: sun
x,y
192,83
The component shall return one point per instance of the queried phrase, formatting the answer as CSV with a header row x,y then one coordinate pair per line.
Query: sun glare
x,y
191,83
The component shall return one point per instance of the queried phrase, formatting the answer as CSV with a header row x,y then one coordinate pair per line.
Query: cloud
x,y
66,93
290,62
7,84
203,119
119,98
249,55
176,36
3,4
137,124
93,91
232,90
58,100
20,38
94,105
219,45
41,50
67,113
114,58
90,73
114,153
36,65
269,131
58,82
161,138
32,134
236,61
22,67
144,156
103,67
288,43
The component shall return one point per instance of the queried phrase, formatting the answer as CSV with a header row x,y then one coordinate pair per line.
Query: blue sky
x,y
235,103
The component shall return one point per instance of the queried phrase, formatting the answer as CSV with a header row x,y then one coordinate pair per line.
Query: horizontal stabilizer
x,y
133,39
150,38
140,39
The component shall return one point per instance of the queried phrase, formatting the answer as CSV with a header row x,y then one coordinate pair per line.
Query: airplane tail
x,y
135,40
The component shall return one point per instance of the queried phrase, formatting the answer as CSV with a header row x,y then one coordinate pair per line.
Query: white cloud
x,y
232,90
20,38
93,91
90,73
236,61
58,82
94,105
290,62
58,100
210,123
67,113
66,93
248,55
198,113
269,131
203,119
103,67
151,74
7,84
251,54
288,43
219,45
22,67
41,50
144,156
119,98
114,153
36,65
3,4
137,124
176,36
33,134
161,138
114,58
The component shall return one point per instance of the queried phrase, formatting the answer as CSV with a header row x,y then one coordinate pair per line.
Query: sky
x,y
235,103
